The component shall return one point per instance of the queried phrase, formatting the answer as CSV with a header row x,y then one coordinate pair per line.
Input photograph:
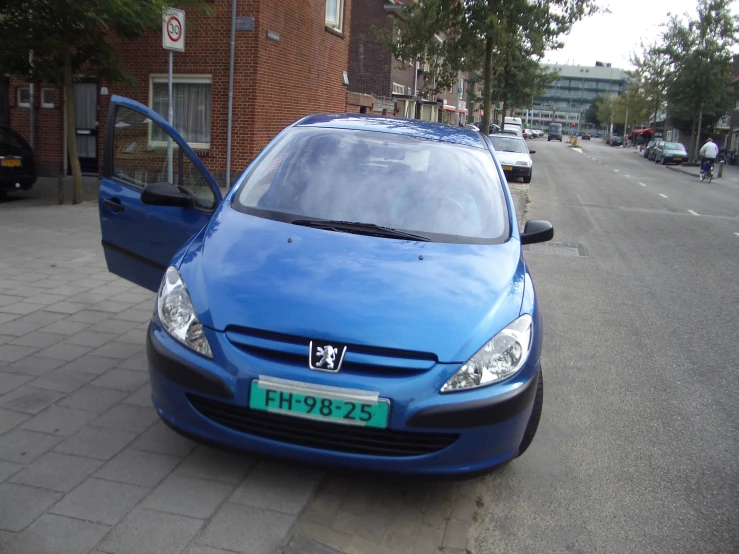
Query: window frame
x,y
18,102
180,78
47,104
339,24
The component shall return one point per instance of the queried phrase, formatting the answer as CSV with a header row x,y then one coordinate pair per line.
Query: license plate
x,y
11,163
678,159
507,168
331,404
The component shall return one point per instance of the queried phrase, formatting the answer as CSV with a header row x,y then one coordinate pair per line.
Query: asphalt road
x,y
638,445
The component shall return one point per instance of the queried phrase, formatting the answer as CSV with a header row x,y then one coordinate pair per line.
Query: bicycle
x,y
709,173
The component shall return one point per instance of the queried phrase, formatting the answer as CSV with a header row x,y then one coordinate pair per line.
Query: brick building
x,y
290,60
395,87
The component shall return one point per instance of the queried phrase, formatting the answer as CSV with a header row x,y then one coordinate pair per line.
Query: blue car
x,y
359,298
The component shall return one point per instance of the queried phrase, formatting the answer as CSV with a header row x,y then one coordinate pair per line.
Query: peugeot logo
x,y
325,357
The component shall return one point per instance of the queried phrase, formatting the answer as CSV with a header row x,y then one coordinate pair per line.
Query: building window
x,y
335,13
47,97
191,99
398,88
24,97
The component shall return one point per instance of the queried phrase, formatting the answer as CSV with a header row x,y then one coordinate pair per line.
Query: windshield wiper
x,y
359,227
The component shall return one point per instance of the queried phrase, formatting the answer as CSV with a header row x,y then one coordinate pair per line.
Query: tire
x,y
710,177
664,161
528,179
533,424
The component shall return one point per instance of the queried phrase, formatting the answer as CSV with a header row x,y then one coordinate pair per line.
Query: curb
x,y
685,171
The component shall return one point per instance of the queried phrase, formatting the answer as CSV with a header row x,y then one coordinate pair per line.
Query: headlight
x,y
177,313
523,162
501,357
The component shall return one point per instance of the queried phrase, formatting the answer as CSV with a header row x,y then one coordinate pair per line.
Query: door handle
x,y
114,205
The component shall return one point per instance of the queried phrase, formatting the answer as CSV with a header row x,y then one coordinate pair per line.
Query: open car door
x,y
153,197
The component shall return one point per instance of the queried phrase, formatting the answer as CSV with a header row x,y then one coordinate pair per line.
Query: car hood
x,y
441,299
511,157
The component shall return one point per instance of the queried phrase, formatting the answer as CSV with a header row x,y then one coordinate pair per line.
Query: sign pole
x,y
173,39
170,119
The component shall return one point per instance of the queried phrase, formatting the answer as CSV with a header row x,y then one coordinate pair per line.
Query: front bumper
x,y
428,433
516,171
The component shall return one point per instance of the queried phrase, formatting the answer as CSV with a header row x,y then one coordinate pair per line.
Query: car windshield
x,y
673,146
445,192
9,139
505,144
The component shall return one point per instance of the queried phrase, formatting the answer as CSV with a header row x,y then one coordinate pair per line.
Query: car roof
x,y
507,135
397,126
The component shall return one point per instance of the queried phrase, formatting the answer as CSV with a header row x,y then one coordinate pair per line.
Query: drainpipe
x,y
230,94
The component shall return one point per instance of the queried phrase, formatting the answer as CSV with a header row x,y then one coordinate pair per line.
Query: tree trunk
x,y
503,113
487,87
74,159
691,146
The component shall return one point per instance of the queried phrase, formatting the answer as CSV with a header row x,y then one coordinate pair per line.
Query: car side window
x,y
140,158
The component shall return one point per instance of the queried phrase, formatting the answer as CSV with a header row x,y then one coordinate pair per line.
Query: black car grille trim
x,y
317,434
294,350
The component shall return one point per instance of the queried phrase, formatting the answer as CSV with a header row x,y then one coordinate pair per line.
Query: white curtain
x,y
191,104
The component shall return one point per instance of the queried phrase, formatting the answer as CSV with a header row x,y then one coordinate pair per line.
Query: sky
x,y
611,37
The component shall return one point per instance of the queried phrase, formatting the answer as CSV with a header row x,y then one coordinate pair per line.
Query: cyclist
x,y
708,154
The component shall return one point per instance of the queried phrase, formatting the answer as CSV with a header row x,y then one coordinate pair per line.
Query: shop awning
x,y
449,108
643,132
462,110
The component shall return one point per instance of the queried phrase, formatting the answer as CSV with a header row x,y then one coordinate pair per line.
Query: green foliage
x,y
637,104
591,115
79,28
494,38
650,76
699,54
606,108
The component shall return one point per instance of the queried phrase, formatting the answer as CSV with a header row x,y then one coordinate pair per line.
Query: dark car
x,y
650,155
650,146
670,152
493,127
616,141
17,167
586,136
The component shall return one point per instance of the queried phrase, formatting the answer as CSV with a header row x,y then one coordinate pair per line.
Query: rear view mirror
x,y
165,194
532,151
537,231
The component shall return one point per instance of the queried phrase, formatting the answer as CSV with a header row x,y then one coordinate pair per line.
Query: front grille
x,y
317,434
293,350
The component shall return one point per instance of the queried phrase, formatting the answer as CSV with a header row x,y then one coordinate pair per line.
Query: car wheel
x,y
533,423
664,161
528,179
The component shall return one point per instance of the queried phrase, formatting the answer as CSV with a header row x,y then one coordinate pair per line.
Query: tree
x,y
651,76
591,115
606,108
478,35
69,37
699,53
631,106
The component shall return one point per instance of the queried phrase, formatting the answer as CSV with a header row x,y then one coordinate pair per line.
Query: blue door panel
x,y
139,240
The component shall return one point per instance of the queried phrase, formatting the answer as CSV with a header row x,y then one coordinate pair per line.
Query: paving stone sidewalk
x,y
85,463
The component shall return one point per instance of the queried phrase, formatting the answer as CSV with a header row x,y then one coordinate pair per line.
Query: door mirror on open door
x,y
166,194
537,231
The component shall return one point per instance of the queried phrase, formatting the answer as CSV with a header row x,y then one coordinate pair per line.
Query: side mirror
x,y
532,151
165,194
537,231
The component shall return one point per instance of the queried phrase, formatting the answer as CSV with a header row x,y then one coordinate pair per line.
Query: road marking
x,y
663,195
737,234
627,176
692,212
642,184
616,170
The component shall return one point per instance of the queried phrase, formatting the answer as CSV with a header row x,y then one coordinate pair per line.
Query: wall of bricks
x,y
275,82
48,126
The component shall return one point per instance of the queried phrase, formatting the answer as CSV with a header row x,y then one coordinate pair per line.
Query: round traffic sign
x,y
174,28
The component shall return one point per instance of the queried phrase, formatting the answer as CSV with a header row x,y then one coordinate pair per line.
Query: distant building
x,y
567,99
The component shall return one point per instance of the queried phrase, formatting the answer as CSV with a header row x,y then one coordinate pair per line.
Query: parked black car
x,y
17,164
616,141
648,147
